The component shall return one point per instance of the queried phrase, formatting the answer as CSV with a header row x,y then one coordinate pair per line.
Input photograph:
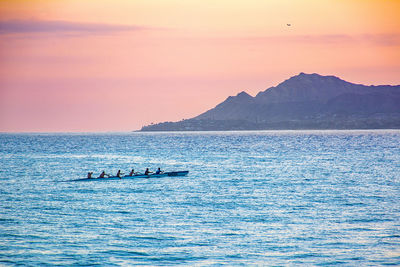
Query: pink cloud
x,y
376,39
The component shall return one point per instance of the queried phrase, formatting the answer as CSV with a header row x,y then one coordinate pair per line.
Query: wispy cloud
x,y
382,39
57,26
379,39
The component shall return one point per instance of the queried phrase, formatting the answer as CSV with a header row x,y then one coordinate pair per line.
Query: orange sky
x,y
117,65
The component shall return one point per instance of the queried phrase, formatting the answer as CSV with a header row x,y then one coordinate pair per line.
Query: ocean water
x,y
251,198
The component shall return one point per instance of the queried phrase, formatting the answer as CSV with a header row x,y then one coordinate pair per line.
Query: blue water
x,y
251,198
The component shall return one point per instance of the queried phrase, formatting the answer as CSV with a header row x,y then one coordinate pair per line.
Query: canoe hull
x,y
178,173
165,174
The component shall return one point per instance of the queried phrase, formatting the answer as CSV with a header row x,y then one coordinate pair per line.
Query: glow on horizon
x,y
117,65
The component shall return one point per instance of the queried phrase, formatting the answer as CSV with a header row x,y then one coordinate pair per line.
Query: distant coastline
x,y
303,102
227,125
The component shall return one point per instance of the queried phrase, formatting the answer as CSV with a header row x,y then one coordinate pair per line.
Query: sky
x,y
116,65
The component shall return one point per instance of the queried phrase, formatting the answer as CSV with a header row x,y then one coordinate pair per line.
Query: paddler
x,y
159,171
132,172
119,173
89,175
102,174
147,172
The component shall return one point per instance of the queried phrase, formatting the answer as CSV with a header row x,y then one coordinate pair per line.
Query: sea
x,y
251,198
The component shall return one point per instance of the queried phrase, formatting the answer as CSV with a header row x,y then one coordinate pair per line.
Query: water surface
x,y
257,198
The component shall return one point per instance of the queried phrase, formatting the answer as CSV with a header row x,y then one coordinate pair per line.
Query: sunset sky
x,y
97,65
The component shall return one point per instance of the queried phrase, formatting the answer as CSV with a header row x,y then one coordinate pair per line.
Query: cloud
x,y
377,39
58,26
382,39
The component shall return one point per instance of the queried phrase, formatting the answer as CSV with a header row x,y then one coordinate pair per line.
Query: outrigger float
x,y
153,175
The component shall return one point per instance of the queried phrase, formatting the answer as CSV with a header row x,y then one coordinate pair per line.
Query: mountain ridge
x,y
302,101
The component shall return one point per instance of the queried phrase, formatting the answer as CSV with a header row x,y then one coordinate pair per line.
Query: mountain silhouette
x,y
305,101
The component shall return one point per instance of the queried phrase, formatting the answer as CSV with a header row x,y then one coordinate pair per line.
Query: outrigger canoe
x,y
164,174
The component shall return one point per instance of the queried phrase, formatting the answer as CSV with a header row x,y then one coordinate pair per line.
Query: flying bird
x,y
289,24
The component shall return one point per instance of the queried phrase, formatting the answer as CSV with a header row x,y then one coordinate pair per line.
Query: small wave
x,y
235,256
354,204
329,263
306,255
192,244
175,259
23,237
7,220
355,258
128,253
369,220
392,236
152,238
8,261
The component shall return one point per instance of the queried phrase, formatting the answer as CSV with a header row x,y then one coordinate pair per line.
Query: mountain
x,y
305,101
